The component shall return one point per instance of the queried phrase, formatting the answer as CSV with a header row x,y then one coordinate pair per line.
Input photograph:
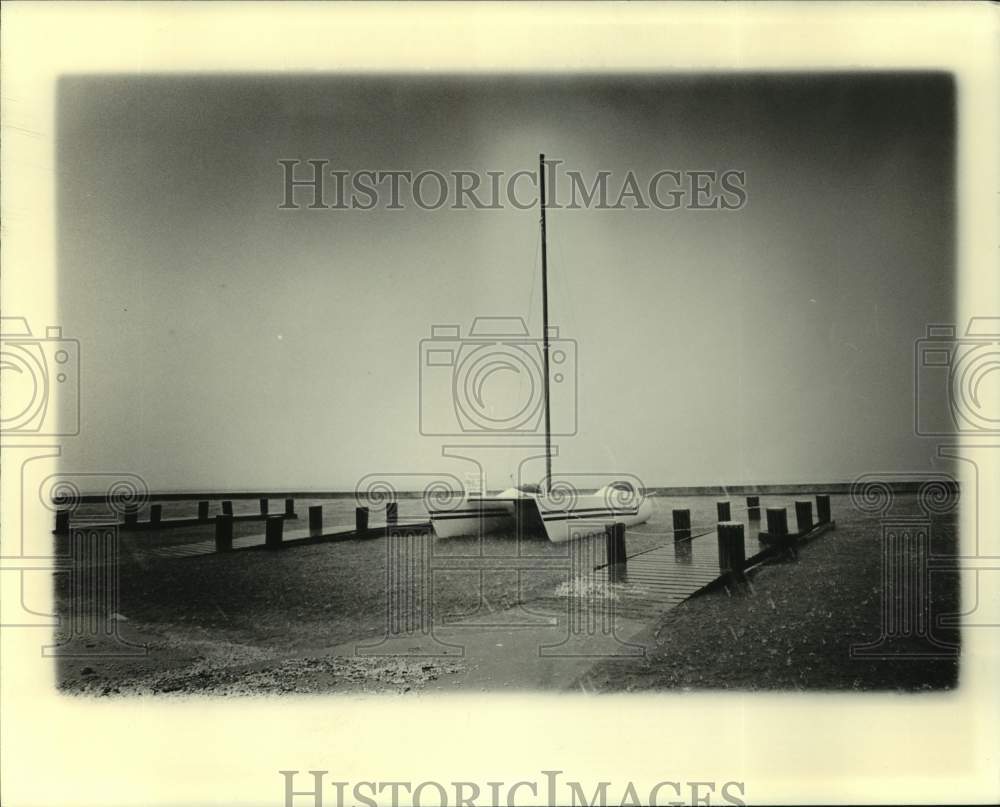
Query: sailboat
x,y
555,510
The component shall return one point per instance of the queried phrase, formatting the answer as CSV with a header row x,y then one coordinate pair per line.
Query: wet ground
x,y
495,614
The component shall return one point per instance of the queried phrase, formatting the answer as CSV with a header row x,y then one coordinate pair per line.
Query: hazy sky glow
x,y
227,344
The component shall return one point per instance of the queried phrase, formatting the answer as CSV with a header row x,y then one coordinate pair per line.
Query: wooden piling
x,y
227,508
803,516
274,529
131,515
263,507
392,513
203,511
361,520
62,522
777,532
732,551
155,513
723,511
777,522
753,508
823,508
615,539
224,533
682,525
315,519
289,507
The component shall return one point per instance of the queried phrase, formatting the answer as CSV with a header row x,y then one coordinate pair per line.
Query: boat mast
x,y
545,328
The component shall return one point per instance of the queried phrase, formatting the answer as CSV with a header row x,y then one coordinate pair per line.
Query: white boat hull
x,y
587,516
559,518
473,516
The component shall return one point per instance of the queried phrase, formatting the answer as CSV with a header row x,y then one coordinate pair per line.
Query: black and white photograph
x,y
405,403
581,385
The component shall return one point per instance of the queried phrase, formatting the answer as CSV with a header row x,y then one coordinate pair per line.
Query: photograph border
x,y
785,747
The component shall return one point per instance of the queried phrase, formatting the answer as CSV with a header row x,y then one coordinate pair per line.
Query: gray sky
x,y
227,344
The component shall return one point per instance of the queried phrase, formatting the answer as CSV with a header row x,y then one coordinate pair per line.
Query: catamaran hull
x,y
588,516
529,515
473,517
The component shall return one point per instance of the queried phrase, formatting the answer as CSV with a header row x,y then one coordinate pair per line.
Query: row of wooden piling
x,y
731,535
775,515
131,514
156,511
274,526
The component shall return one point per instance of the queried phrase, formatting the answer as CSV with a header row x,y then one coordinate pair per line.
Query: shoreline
x,y
767,489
